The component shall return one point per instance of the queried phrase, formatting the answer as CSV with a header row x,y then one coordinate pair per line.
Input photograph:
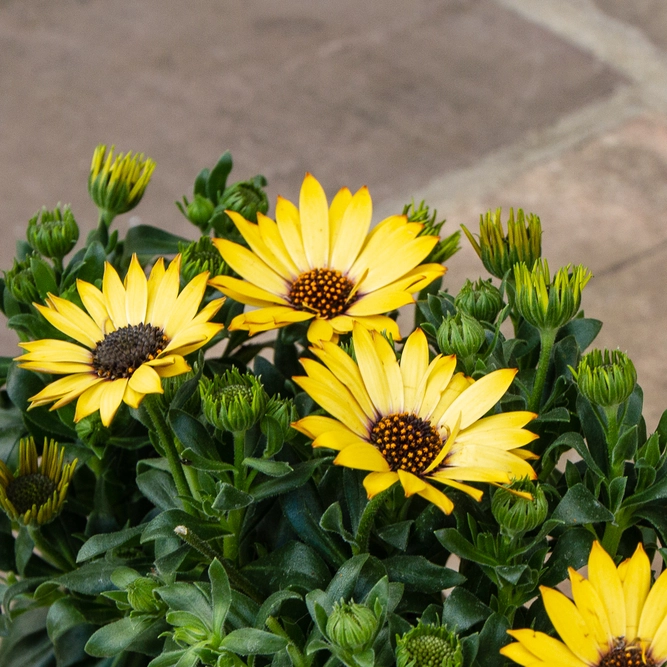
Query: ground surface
x,y
557,107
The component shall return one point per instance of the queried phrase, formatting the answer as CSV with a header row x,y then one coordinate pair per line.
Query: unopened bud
x,y
606,378
53,233
516,512
351,626
461,335
429,646
480,300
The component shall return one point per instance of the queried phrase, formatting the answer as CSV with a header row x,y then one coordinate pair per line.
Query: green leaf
x,y
492,638
158,486
112,639
396,534
200,182
626,447
103,542
453,541
657,491
251,641
579,506
571,550
192,433
162,526
45,278
217,179
584,330
221,594
89,579
345,580
63,615
150,241
268,467
462,610
419,574
183,596
298,477
332,521
572,440
231,498
272,605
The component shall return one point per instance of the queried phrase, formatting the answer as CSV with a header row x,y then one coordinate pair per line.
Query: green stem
x,y
547,340
63,561
612,537
611,436
167,441
295,654
366,523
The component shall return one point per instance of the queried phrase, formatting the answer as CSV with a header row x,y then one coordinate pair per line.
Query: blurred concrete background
x,y
556,107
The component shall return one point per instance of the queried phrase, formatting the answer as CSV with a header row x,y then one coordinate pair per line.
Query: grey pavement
x,y
559,107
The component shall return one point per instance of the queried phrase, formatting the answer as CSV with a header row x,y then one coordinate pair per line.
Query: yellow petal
x,y
391,370
519,653
436,384
377,482
414,362
372,371
480,397
337,209
381,301
250,267
70,327
208,311
48,349
314,215
114,296
337,440
342,406
245,292
636,585
411,483
316,425
176,366
546,648
111,398
132,398
136,293
145,380
186,306
488,457
502,421
437,497
472,474
659,643
166,294
289,227
191,339
655,609
89,401
604,577
94,302
353,230
362,457
506,438
344,368
570,625
592,610
154,281
319,331
274,242
64,386
55,367
379,323
457,385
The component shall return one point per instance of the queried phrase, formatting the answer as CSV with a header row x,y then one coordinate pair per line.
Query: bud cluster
x,y
53,233
606,378
480,300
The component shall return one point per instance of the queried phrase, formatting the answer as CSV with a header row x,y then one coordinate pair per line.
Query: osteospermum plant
x,y
338,490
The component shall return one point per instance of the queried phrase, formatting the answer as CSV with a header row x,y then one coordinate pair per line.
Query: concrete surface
x,y
557,107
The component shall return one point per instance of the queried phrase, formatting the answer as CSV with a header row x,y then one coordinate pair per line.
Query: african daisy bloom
x,y
616,619
132,335
320,263
412,421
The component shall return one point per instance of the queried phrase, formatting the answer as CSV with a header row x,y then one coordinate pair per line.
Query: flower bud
x,y
284,412
200,256
446,247
351,626
545,303
246,198
92,432
498,251
200,212
461,335
20,281
116,185
515,512
429,646
606,378
53,233
480,300
232,401
141,595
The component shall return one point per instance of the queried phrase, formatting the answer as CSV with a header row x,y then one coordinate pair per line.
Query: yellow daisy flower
x,y
132,335
412,421
616,619
320,263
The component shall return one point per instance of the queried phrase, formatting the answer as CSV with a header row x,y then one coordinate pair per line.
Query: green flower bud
x,y
232,401
545,303
517,514
20,281
284,412
480,300
429,646
351,626
53,233
92,432
246,198
200,212
173,384
461,335
606,378
498,251
141,595
446,247
200,256
116,185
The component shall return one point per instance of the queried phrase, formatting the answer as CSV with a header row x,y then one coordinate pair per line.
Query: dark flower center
x,y
406,441
623,655
322,291
121,352
28,490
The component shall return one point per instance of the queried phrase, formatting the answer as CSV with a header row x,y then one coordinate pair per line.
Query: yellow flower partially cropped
x,y
412,421
320,263
133,334
36,493
616,619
